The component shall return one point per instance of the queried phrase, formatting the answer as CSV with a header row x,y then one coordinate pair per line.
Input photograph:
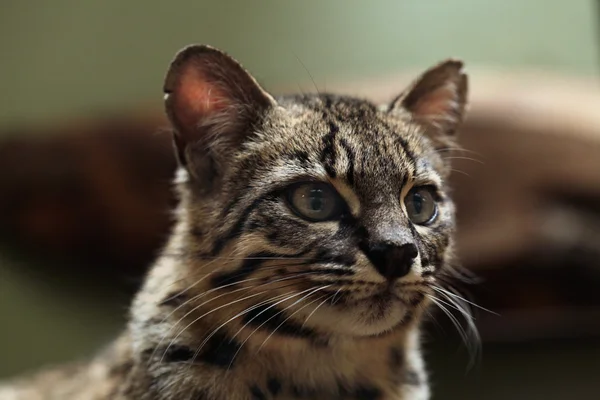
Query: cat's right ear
x,y
436,100
212,103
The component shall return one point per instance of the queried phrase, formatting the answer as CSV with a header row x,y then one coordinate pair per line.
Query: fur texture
x,y
249,299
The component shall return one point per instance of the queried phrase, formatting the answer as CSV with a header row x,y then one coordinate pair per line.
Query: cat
x,y
312,233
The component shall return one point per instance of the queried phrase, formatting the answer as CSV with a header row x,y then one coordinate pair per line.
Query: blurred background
x,y
85,169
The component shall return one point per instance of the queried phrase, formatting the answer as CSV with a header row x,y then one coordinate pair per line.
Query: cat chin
x,y
365,318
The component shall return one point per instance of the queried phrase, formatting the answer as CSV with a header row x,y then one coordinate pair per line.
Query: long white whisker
x,y
247,310
258,327
441,290
453,305
454,321
313,311
205,314
290,316
212,299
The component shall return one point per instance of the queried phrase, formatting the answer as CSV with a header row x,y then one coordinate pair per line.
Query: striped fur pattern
x,y
250,301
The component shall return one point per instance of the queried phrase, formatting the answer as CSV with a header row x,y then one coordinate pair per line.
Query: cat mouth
x,y
380,300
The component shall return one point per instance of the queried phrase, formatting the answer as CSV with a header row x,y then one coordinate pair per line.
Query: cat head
x,y
332,208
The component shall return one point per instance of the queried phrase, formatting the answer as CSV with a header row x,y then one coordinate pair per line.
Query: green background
x,y
66,58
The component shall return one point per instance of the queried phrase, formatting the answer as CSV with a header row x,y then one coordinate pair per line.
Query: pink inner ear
x,y
197,97
439,102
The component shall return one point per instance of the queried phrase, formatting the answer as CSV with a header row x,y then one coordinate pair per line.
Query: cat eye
x,y
315,201
420,205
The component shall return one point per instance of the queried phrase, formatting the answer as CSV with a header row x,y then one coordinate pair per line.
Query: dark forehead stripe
x,y
328,154
351,155
410,155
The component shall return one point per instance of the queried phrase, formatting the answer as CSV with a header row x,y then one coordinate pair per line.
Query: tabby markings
x,y
270,318
219,351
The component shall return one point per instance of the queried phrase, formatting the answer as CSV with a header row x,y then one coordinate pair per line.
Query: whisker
x,y
228,258
205,314
268,308
313,311
454,321
308,72
472,341
460,172
210,300
290,316
464,158
441,290
453,306
247,310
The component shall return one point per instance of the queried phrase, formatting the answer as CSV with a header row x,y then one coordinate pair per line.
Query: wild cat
x,y
312,233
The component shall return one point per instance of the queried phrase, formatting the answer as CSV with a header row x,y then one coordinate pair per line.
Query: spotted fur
x,y
248,301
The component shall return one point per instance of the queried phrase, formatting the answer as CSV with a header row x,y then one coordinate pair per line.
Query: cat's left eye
x,y
421,206
315,201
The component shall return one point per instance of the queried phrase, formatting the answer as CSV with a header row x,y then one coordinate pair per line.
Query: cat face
x,y
333,211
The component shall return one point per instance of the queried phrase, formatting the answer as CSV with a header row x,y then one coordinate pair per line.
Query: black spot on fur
x,y
177,354
301,156
251,264
396,358
367,393
197,232
200,395
219,351
416,299
408,318
248,267
257,394
274,386
270,318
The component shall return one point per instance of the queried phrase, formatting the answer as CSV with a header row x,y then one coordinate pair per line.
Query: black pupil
x,y
316,200
418,201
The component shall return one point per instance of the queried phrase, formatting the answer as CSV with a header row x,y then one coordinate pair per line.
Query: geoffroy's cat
x,y
313,232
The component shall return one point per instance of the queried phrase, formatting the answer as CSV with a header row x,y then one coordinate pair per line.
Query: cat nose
x,y
392,261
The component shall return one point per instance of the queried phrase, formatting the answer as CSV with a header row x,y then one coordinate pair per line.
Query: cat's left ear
x,y
436,100
213,104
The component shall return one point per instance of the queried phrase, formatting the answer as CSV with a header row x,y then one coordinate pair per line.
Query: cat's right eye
x,y
315,201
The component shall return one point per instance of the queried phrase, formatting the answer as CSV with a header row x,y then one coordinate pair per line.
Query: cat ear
x,y
212,102
436,100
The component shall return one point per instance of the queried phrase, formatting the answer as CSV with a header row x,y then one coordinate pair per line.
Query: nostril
x,y
408,252
392,261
